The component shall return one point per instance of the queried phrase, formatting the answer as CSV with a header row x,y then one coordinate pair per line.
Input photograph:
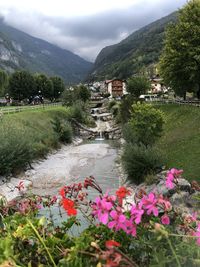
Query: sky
x,y
84,26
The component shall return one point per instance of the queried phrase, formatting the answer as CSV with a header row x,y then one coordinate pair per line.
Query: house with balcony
x,y
116,87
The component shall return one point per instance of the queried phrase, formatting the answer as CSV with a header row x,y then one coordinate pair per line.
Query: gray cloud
x,y
87,35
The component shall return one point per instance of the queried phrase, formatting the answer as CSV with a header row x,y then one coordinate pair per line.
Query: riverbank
x,y
27,136
71,163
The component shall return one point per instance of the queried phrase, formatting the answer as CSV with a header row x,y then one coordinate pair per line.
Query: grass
x,y
27,136
180,142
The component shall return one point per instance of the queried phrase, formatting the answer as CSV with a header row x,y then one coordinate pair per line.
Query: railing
x,y
8,110
195,103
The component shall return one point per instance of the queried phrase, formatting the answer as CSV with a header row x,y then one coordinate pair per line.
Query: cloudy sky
x,y
84,26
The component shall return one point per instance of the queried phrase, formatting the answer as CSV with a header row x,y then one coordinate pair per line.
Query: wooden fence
x,y
8,110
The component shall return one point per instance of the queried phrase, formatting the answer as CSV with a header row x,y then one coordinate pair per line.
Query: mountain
x,y
19,50
140,49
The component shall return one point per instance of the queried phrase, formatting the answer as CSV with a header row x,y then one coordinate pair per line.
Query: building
x,y
116,87
157,85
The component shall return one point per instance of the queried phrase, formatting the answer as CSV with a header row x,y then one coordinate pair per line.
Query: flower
x,y
68,205
136,214
165,219
118,221
101,209
20,186
130,227
197,234
171,176
149,203
122,192
112,243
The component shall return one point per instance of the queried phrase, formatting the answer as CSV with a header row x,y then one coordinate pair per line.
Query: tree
x,y
180,59
58,86
145,125
3,82
138,85
44,86
21,85
84,93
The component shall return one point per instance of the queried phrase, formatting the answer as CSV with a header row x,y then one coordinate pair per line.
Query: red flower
x,y
122,192
112,243
62,191
68,205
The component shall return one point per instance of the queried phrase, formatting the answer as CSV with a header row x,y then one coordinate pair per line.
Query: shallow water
x,y
100,165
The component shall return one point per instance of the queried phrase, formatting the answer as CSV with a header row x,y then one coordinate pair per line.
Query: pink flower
x,y
136,214
165,203
169,180
101,209
130,227
149,203
165,219
171,176
118,221
197,234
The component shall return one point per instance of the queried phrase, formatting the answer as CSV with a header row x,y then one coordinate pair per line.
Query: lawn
x,y
180,142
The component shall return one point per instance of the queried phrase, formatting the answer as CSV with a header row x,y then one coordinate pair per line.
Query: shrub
x,y
111,104
139,161
63,130
77,112
15,149
146,123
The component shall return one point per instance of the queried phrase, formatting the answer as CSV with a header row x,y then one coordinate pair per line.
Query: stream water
x,y
96,158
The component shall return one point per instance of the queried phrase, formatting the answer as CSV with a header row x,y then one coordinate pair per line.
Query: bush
x,y
15,149
146,123
63,130
77,112
139,161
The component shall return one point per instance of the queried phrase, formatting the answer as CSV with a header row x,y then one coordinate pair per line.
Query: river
x,y
72,164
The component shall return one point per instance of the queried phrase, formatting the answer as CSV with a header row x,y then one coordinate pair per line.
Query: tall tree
x,y
44,86
138,85
84,93
3,82
180,59
21,85
58,86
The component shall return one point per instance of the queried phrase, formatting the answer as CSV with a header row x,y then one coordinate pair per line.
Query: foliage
x,y
21,85
181,138
84,93
125,108
138,50
139,161
180,60
146,123
28,135
74,94
44,86
149,232
3,82
138,85
63,129
58,86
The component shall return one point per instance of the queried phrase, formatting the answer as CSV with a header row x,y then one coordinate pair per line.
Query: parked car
x,y
148,97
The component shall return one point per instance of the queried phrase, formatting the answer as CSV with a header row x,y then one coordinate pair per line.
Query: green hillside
x,y
140,49
19,50
181,140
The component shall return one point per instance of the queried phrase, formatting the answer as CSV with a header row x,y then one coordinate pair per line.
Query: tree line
x,y
22,85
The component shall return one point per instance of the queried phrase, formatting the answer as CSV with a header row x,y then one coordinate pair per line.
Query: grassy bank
x,y
27,135
181,139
